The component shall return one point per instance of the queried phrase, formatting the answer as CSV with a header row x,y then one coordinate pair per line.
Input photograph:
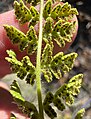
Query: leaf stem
x,y
38,64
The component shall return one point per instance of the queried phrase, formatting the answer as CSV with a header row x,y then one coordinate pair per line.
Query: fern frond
x,y
63,62
33,40
48,98
35,16
25,106
47,74
55,11
47,9
57,65
80,114
16,36
75,84
47,55
22,13
29,40
68,91
58,103
24,68
50,111
68,60
47,29
65,9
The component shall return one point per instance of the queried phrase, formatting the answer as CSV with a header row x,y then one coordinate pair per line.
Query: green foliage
x,y
32,45
67,91
24,68
23,14
26,107
66,10
63,63
50,111
35,16
62,31
55,65
47,29
28,41
47,9
15,35
55,11
56,26
64,95
80,114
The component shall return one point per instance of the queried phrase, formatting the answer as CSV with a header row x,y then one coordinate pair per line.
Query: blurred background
x,y
82,45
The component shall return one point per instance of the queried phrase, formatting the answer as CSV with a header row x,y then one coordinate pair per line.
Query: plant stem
x,y
38,64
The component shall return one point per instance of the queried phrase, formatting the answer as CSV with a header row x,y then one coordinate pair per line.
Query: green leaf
x,y
15,64
69,59
56,72
33,21
66,25
60,40
55,65
33,40
47,9
65,9
11,53
69,99
75,84
35,16
16,36
21,73
31,34
32,47
57,58
48,98
30,109
57,27
58,103
47,74
73,11
47,29
23,69
30,69
47,55
66,31
23,44
22,13
55,11
58,33
63,63
34,12
63,32
29,40
15,91
65,94
31,78
80,114
26,63
50,111
68,91
26,107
